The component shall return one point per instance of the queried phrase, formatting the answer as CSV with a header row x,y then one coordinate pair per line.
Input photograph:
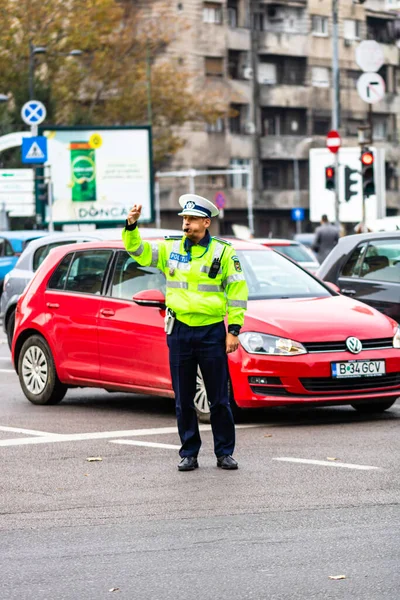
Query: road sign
x,y
371,87
34,150
33,112
369,56
333,141
298,214
220,200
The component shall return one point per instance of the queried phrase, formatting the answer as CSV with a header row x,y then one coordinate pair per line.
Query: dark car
x,y
367,267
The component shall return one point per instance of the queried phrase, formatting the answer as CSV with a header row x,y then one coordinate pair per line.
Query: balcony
x,y
284,147
285,95
238,39
288,44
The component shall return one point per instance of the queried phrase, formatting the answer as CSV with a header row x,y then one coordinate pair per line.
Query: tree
x,y
122,76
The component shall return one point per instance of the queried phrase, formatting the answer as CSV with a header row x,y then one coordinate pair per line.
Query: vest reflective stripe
x,y
233,278
210,288
178,284
205,269
219,248
137,252
154,255
239,303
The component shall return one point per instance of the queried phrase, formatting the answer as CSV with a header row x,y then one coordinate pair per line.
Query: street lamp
x,y
33,50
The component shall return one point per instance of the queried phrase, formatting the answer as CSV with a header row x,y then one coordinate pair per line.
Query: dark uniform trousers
x,y
202,346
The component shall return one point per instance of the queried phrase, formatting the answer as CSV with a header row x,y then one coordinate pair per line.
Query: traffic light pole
x,y
336,96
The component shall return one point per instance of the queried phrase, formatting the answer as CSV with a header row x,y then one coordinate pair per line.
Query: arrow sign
x,y
371,87
333,141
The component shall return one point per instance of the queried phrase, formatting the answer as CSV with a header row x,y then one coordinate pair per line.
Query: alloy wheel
x,y
35,370
200,399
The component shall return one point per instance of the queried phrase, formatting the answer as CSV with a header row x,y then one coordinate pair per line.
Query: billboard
x,y
98,173
17,192
322,201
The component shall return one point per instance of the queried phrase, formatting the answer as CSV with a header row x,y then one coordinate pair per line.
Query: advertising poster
x,y
99,173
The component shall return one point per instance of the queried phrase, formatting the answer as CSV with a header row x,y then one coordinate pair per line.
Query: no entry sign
x,y
333,141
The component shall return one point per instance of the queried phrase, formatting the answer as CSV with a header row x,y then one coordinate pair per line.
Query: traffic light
x,y
367,170
42,191
351,181
330,178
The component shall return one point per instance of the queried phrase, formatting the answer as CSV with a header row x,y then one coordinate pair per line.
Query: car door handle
x,y
107,312
52,305
348,292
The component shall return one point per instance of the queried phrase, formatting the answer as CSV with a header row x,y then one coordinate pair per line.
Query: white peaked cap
x,y
197,206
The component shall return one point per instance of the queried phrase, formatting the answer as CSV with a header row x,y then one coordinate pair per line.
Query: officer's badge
x,y
236,264
190,205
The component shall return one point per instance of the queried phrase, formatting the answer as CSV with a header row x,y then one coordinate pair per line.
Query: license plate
x,y
358,368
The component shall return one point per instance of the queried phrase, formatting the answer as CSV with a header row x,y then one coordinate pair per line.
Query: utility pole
x,y
336,95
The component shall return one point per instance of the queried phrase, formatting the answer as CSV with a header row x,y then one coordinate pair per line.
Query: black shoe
x,y
188,463
227,462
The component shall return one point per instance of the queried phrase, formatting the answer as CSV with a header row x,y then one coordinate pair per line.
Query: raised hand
x,y
134,214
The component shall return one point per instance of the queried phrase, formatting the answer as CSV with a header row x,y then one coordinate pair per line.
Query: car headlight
x,y
261,343
396,338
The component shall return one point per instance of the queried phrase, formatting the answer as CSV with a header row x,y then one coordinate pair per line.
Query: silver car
x,y
35,253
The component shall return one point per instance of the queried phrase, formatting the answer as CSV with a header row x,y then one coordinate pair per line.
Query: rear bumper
x,y
282,377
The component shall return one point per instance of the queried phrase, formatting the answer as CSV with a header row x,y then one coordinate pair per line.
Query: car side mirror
x,y
153,298
333,286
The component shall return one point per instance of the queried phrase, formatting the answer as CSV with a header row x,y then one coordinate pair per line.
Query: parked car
x,y
294,250
367,267
12,243
91,316
33,256
307,239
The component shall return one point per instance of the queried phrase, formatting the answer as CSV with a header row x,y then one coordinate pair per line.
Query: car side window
x,y
8,249
87,271
382,261
59,277
42,252
352,266
130,278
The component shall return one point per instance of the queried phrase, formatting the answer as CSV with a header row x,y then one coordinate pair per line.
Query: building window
x,y
351,29
284,121
238,181
233,13
267,73
380,127
321,125
282,70
352,126
350,79
319,25
320,77
212,13
259,21
179,7
217,126
239,118
214,66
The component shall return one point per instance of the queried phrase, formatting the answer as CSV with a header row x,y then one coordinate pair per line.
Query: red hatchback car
x,y
92,316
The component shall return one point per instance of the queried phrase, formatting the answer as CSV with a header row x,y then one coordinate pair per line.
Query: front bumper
x,y
262,381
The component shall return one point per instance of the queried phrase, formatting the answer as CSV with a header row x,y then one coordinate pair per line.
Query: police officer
x,y
204,281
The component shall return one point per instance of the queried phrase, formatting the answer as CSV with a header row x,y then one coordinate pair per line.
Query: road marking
x,y
52,438
26,431
7,371
326,463
145,444
5,358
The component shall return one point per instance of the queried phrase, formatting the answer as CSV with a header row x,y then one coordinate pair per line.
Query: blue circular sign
x,y
33,112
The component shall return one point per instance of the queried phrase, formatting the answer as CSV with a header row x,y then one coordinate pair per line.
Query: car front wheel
x,y
201,403
373,407
37,373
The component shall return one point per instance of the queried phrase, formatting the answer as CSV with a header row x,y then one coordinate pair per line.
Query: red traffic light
x,y
329,172
367,158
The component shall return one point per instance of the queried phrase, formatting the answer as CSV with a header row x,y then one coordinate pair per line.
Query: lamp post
x,y
33,50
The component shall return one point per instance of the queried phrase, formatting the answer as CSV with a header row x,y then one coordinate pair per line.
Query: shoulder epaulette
x,y
173,237
222,241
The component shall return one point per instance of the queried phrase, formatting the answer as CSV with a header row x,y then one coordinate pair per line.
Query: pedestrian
x,y
204,282
326,238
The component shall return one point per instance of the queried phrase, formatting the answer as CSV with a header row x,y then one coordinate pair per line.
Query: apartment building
x,y
271,62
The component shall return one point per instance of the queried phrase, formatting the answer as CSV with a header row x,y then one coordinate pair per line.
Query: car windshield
x,y
295,252
270,275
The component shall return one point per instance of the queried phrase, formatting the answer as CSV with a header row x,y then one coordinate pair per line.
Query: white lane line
x,y
4,358
145,444
8,371
26,431
100,435
326,463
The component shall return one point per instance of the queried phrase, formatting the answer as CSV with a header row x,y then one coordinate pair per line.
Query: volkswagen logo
x,y
354,345
190,205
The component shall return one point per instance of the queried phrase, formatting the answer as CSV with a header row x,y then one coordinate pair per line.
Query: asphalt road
x,y
276,529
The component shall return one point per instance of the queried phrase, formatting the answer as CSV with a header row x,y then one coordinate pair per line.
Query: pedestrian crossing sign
x,y
34,150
